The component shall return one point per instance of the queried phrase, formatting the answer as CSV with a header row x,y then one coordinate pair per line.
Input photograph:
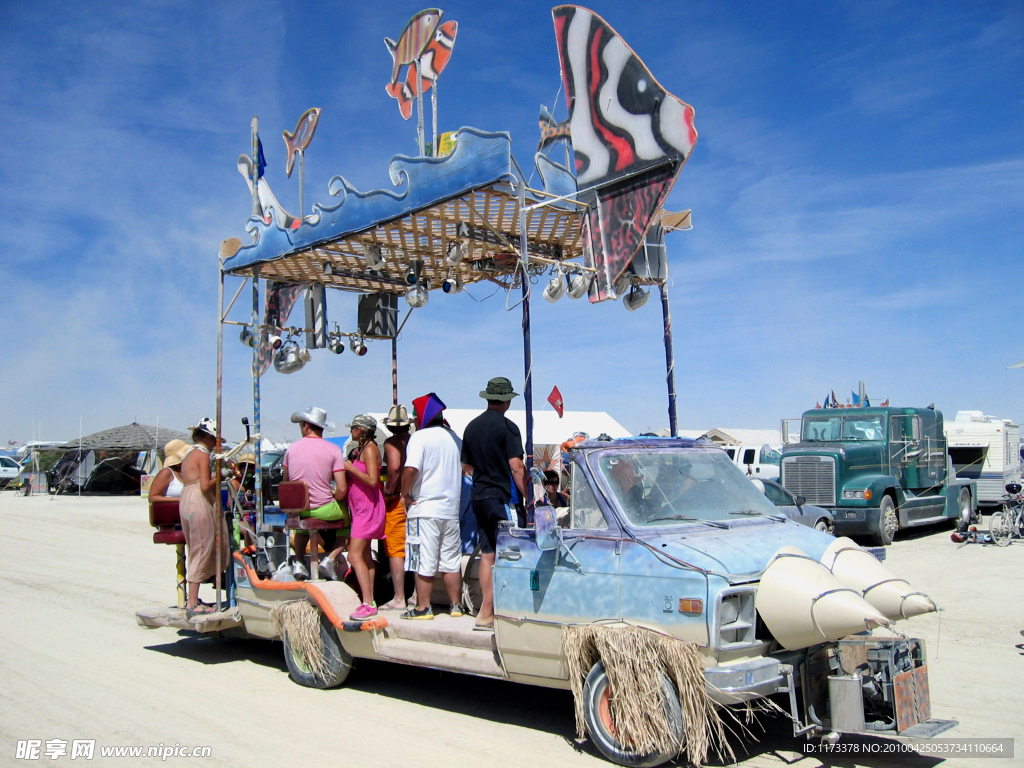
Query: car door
x,y
537,591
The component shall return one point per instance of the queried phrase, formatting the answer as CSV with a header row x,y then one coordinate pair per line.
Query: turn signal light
x,y
691,605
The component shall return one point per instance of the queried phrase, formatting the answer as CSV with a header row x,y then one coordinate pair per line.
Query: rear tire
x,y
888,523
1000,526
338,660
596,694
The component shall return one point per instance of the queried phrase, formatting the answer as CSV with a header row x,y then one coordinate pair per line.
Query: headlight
x,y
729,610
858,493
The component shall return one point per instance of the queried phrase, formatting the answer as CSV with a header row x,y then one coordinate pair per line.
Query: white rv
x,y
985,449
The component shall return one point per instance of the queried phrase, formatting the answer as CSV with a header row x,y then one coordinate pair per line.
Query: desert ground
x,y
74,665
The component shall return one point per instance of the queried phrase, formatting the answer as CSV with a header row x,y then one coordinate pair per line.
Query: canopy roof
x,y
131,437
467,198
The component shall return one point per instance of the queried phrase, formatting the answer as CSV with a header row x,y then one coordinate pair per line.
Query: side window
x,y
748,456
584,510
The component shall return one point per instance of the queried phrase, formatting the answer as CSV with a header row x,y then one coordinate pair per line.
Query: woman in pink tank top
x,y
366,501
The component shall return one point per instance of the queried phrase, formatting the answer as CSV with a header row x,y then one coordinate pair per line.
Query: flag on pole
x,y
867,403
885,403
856,398
835,400
261,161
817,405
828,403
555,398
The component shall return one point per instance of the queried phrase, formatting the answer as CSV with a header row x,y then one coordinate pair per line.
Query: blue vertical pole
x,y
527,353
670,360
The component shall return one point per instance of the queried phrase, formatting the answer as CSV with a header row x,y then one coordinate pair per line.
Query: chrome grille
x,y
813,477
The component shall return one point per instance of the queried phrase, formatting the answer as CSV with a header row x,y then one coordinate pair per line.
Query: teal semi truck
x,y
878,470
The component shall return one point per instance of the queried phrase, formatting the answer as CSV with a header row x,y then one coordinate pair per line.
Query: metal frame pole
x,y
394,368
256,395
670,360
524,256
220,386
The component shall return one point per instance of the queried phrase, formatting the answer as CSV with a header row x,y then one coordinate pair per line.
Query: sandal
x,y
201,609
484,626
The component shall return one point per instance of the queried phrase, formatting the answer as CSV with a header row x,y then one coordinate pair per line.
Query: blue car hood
x,y
745,548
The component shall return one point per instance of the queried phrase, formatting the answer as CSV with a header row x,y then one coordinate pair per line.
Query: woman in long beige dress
x,y
200,516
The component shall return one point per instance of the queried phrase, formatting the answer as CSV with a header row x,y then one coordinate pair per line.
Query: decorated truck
x,y
878,469
670,573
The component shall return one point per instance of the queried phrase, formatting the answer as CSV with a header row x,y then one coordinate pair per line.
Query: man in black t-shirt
x,y
492,450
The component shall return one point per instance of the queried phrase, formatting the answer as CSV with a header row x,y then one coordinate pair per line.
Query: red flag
x,y
555,398
886,403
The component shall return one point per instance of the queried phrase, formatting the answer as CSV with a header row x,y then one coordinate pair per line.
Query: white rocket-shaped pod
x,y
859,569
803,604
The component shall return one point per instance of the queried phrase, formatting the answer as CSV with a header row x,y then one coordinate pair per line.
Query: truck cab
x,y
877,469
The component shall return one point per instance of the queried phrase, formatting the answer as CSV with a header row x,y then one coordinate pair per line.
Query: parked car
x,y
9,470
795,507
273,469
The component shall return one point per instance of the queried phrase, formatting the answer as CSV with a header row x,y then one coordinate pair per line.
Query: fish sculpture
x,y
428,68
266,197
630,138
299,139
414,39
551,131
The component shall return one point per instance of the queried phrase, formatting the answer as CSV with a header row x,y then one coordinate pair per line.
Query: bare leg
x,y
193,596
300,543
453,586
398,579
486,613
361,560
424,588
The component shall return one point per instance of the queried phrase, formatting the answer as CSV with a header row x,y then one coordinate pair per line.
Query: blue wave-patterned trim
x,y
480,159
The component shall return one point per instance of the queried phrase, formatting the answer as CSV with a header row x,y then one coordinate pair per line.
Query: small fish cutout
x,y
433,60
413,40
299,139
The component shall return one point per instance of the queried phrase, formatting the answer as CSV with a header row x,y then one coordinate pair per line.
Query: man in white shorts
x,y
431,488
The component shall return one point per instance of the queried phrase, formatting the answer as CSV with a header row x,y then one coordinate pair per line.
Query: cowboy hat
x,y
315,416
397,417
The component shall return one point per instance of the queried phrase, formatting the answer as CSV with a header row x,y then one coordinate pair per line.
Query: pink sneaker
x,y
363,612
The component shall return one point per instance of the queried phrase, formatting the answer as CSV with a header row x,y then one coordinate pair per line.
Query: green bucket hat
x,y
499,388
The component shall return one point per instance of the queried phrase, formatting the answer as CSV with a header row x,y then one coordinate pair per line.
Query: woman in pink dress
x,y
366,501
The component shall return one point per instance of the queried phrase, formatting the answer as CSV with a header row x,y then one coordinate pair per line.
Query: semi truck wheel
x,y
964,519
888,522
338,661
597,714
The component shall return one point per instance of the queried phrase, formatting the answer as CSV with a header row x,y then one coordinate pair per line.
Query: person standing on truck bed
x,y
431,488
394,516
492,449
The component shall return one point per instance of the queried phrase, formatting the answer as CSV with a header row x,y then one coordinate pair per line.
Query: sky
x,y
857,191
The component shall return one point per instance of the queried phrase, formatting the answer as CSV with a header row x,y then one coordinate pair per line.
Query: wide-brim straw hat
x,y
312,415
247,457
499,388
174,453
397,417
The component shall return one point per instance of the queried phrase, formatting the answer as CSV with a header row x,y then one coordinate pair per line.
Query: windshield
x,y
843,428
657,488
267,459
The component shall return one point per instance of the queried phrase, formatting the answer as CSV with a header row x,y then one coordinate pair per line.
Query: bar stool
x,y
293,498
165,517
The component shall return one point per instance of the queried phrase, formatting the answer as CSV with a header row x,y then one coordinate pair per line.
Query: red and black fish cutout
x,y
299,139
428,67
629,135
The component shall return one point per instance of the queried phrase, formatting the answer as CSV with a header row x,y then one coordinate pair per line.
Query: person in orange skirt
x,y
394,516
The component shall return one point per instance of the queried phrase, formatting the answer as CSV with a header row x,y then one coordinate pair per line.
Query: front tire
x,y
597,714
1000,526
963,521
888,523
338,661
824,526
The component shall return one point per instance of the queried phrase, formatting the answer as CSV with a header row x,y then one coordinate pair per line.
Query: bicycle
x,y
1009,521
